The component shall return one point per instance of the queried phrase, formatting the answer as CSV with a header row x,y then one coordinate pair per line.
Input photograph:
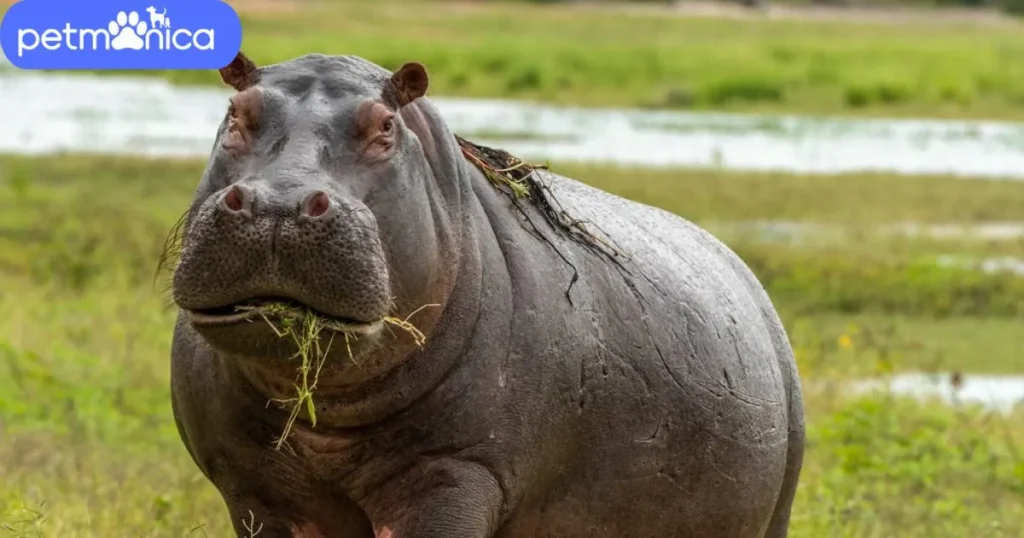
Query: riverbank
x,y
150,116
601,57
85,341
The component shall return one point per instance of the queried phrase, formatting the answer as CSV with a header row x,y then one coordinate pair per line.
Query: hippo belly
x,y
689,404
677,480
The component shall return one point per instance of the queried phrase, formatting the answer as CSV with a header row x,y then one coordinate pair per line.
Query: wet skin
x,y
559,393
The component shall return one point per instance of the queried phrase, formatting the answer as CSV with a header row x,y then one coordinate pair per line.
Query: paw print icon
x,y
127,30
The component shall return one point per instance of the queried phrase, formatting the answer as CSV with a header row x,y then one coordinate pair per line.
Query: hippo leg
x,y
441,498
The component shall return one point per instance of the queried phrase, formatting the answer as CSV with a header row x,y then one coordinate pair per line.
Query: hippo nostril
x,y
317,204
236,199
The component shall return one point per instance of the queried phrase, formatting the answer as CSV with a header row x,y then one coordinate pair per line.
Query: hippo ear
x,y
410,83
240,73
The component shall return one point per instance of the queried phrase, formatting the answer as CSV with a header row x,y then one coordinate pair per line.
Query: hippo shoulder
x,y
693,314
655,241
680,277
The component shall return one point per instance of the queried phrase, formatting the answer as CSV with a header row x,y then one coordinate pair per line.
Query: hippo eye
x,y
389,125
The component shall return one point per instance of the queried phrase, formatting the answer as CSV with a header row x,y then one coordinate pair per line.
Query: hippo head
x,y
321,193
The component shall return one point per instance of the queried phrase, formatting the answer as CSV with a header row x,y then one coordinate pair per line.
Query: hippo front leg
x,y
444,498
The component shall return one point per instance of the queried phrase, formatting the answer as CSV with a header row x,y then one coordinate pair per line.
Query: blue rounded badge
x,y
120,34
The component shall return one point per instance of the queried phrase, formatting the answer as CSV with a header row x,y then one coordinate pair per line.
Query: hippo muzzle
x,y
258,242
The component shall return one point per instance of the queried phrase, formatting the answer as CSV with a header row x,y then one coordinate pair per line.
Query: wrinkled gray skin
x,y
662,404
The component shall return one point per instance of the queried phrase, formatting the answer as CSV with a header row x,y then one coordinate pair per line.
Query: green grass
x,y
846,199
884,467
588,57
89,442
840,345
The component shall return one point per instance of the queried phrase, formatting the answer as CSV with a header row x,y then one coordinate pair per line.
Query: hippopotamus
x,y
590,366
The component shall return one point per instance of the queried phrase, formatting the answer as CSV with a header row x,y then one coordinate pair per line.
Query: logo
x,y
120,34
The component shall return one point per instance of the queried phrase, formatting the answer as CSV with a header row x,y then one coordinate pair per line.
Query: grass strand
x,y
305,327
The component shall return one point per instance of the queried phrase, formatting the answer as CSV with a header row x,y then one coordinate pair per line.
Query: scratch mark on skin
x,y
583,382
632,366
699,403
653,436
739,358
718,383
672,480
711,462
672,375
741,396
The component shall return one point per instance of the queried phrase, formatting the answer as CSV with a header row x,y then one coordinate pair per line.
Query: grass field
x,y
89,447
573,55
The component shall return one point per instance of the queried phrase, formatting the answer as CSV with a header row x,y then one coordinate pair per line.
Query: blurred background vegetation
x,y
1008,6
87,443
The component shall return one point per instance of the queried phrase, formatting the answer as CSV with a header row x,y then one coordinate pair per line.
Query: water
x,y
997,393
811,234
804,232
46,113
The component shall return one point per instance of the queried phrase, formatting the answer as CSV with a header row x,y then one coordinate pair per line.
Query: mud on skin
x,y
658,397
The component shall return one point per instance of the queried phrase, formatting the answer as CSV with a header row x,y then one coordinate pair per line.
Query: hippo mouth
x,y
275,309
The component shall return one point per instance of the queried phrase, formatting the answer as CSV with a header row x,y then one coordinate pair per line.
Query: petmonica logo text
x,y
120,34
